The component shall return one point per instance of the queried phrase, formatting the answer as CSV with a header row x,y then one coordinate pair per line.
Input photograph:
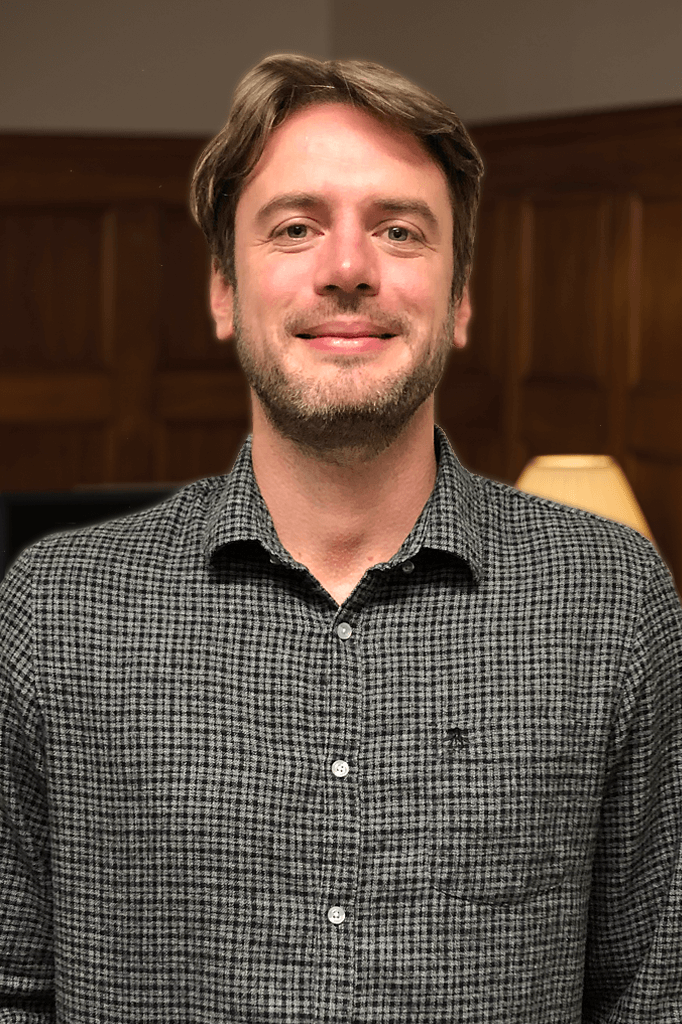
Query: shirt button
x,y
337,915
344,630
408,566
341,769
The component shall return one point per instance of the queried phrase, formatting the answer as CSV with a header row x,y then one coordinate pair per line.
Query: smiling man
x,y
349,734
343,311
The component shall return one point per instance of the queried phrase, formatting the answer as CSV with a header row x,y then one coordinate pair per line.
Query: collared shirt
x,y
224,798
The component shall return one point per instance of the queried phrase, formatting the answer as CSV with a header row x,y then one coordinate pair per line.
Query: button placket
x,y
342,833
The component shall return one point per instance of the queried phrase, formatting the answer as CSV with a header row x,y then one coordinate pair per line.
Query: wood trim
x,y
96,169
623,150
55,398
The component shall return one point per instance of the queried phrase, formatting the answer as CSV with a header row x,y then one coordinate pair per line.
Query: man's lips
x,y
347,330
346,336
343,345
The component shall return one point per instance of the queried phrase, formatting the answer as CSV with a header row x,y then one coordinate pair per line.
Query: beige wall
x,y
169,66
501,59
148,66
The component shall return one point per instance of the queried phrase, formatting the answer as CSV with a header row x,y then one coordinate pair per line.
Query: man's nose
x,y
348,262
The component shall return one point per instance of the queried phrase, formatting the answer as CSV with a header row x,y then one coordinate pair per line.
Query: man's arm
x,y
26,957
634,962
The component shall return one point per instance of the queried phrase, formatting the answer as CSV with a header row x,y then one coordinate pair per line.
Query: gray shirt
x,y
456,797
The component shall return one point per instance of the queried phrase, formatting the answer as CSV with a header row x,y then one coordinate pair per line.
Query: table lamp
x,y
592,482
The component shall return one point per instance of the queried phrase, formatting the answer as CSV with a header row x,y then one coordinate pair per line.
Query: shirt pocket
x,y
504,817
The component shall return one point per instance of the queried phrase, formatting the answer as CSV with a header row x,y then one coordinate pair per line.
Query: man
x,y
350,734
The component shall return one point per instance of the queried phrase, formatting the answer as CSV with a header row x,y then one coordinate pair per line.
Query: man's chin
x,y
341,421
340,435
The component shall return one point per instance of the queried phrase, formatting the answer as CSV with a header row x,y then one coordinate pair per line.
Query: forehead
x,y
338,149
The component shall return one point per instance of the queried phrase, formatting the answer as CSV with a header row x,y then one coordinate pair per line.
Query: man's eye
x,y
397,234
296,230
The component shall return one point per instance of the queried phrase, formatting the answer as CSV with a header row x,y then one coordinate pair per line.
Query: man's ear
x,y
462,318
222,305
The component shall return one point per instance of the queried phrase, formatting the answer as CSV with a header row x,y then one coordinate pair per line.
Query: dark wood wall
x,y
109,371
576,345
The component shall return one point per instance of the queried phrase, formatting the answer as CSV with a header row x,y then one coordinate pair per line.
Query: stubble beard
x,y
332,430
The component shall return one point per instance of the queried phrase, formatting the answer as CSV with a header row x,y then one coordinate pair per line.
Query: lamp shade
x,y
592,482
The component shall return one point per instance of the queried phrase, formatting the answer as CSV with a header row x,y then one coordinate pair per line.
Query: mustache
x,y
304,322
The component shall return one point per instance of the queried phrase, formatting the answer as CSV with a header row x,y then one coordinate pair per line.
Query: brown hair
x,y
281,84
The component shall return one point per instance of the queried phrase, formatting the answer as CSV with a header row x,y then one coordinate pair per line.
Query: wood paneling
x,y
661,291
59,397
50,287
186,337
51,456
109,370
658,486
193,449
615,151
579,275
569,289
58,170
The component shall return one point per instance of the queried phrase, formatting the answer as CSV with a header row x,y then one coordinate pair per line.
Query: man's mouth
x,y
340,334
347,331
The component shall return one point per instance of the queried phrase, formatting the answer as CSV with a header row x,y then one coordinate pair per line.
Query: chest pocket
x,y
508,821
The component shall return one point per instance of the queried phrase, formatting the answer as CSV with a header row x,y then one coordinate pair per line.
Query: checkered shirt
x,y
454,798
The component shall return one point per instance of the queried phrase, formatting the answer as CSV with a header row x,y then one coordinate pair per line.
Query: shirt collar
x,y
451,521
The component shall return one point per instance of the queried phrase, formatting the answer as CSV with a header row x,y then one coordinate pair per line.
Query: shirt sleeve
x,y
634,949
26,954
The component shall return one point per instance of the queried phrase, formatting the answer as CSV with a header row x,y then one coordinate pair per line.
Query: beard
x,y
334,429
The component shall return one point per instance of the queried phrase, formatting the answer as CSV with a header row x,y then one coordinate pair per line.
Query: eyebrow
x,y
287,201
309,201
416,207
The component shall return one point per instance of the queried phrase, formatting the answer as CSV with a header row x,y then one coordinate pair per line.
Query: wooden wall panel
x,y
658,485
594,342
109,368
195,449
570,263
50,457
133,300
186,336
472,402
563,390
50,287
661,293
203,418
52,398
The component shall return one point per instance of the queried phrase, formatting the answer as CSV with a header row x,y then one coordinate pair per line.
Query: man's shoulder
x,y
526,530
162,533
516,535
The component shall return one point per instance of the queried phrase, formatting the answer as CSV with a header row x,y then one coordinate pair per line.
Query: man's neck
x,y
339,520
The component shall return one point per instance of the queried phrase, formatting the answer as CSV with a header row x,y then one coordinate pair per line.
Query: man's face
x,y
343,254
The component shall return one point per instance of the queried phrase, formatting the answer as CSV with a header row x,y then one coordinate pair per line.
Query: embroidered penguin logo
x,y
457,737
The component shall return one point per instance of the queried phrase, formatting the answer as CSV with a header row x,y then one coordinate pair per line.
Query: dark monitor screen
x,y
25,516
